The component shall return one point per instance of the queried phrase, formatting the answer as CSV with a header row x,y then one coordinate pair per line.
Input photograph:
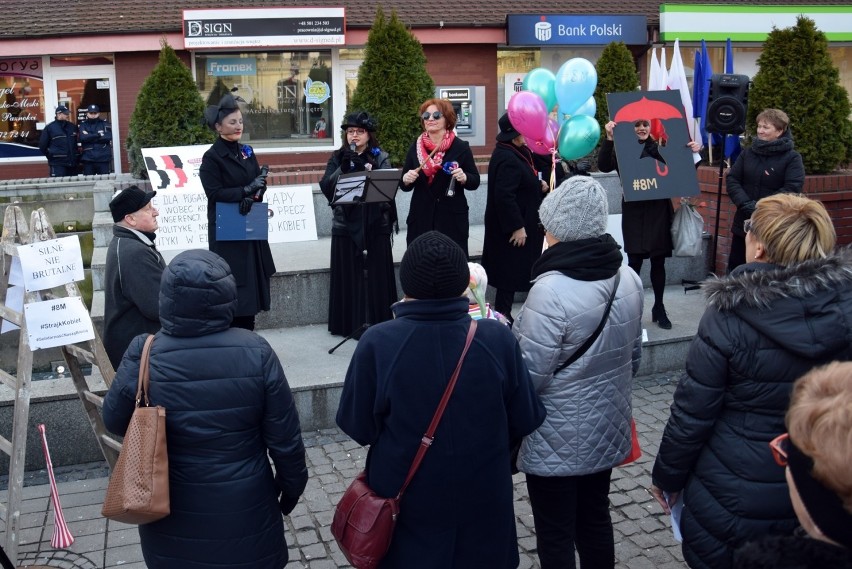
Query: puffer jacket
x,y
765,326
588,403
229,411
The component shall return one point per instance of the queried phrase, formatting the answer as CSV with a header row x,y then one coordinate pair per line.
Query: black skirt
x,y
346,310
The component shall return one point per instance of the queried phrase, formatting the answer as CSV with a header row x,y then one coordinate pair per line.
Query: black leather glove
x,y
749,207
351,161
287,504
584,166
245,205
258,197
255,185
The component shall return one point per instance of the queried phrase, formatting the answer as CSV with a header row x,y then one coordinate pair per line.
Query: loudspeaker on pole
x,y
727,103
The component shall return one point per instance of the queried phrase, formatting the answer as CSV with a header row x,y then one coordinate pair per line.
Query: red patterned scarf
x,y
425,146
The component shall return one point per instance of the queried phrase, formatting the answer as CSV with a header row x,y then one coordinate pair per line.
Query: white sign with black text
x,y
48,264
58,322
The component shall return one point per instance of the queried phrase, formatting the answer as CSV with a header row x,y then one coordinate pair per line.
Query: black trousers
x,y
60,171
571,511
737,255
92,168
503,301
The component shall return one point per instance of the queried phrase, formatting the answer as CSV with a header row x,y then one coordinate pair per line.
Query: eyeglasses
x,y
358,131
779,446
435,115
747,225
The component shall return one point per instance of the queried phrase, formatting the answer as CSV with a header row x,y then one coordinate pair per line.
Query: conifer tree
x,y
392,83
169,111
616,74
796,75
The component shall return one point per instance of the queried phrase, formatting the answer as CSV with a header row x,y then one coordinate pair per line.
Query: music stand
x,y
360,189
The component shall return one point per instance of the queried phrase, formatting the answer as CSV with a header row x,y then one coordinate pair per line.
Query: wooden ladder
x,y
15,233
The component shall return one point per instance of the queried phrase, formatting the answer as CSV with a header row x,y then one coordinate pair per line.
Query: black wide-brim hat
x,y
359,120
507,131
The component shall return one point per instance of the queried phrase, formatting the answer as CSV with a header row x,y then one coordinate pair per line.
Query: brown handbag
x,y
138,490
363,521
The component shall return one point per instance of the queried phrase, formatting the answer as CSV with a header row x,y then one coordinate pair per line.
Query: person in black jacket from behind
x,y
768,166
95,142
229,412
59,143
767,323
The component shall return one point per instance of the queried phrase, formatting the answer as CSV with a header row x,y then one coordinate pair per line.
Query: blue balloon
x,y
588,108
575,83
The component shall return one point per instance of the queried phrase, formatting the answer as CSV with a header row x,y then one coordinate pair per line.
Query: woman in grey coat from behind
x,y
568,460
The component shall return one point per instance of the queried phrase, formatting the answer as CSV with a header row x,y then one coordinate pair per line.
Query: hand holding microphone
x,y
264,172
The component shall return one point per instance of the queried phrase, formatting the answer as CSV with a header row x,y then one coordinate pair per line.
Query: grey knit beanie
x,y
433,266
576,210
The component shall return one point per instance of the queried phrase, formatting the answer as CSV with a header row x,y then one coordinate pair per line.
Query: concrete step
x,y
316,377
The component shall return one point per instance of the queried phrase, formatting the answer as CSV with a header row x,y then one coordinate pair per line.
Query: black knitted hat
x,y
434,266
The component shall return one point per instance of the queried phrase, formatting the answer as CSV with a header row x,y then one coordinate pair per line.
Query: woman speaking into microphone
x,y
356,228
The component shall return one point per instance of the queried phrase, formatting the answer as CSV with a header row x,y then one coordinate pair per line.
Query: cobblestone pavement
x,y
643,537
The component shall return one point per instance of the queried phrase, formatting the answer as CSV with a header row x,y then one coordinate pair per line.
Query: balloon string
x,y
552,170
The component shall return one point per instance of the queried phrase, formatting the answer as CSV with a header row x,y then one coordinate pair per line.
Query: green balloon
x,y
578,136
542,82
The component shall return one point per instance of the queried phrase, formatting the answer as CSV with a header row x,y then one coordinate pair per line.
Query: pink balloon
x,y
528,115
547,144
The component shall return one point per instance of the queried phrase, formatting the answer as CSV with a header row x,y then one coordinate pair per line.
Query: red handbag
x,y
635,450
364,522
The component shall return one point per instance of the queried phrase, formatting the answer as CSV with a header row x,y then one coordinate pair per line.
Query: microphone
x,y
351,162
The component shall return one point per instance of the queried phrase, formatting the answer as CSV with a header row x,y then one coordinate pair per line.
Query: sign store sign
x,y
263,27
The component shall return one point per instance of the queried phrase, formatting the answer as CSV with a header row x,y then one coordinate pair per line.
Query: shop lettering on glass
x,y
20,98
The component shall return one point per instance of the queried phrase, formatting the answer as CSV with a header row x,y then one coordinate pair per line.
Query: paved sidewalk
x,y
642,535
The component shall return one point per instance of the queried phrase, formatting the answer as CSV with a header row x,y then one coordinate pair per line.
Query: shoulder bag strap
x,y
588,344
142,384
427,439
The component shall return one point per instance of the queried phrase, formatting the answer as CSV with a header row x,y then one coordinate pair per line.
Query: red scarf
x,y
425,146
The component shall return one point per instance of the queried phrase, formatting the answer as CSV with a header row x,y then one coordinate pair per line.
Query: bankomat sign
x,y
554,29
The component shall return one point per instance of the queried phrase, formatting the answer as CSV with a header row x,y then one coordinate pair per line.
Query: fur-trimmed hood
x,y
803,307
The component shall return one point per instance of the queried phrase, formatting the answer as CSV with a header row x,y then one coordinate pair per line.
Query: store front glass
x,y
285,96
22,112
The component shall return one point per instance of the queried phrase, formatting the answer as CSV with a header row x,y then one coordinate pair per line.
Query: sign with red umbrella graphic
x,y
661,167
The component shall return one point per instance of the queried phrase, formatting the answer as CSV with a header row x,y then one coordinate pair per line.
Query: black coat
x,y
514,196
95,140
765,326
762,170
457,512
431,208
224,172
646,225
229,411
59,143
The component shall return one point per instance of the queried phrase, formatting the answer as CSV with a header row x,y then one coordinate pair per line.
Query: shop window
x,y
21,107
285,97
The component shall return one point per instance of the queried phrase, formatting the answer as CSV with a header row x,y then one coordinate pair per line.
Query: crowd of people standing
x,y
546,392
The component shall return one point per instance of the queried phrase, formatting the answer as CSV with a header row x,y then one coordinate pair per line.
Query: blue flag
x,y
701,88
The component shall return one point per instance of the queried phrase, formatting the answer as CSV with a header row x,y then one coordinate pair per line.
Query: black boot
x,y
658,315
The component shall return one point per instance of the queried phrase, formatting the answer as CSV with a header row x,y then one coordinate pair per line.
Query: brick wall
x,y
833,190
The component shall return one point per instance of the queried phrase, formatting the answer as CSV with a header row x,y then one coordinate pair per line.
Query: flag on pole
x,y
62,537
701,88
677,82
658,82
732,141
655,74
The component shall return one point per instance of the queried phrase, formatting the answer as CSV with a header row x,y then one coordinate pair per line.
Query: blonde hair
x,y
820,424
793,229
775,117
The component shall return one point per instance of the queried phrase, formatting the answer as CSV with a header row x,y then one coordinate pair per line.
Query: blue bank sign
x,y
557,29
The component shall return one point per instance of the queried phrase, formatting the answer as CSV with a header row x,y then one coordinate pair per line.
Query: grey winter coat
x,y
587,428
765,326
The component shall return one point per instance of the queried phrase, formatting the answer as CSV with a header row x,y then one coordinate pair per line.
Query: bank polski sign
x,y
557,29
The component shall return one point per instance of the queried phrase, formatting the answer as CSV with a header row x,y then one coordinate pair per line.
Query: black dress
x,y
225,170
346,303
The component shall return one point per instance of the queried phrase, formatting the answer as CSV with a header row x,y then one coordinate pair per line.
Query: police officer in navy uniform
x,y
59,143
96,142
